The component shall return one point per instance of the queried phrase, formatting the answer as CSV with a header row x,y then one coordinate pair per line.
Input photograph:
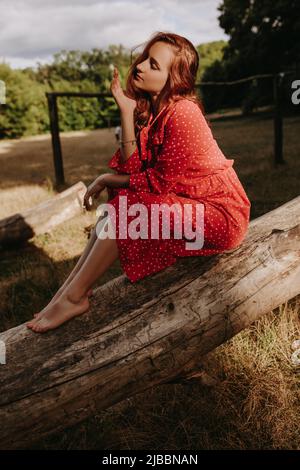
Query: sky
x,y
32,31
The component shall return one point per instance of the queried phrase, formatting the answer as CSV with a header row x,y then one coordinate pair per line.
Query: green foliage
x,y
209,53
264,35
25,110
264,38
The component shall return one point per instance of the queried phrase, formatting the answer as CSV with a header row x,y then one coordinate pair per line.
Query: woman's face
x,y
154,70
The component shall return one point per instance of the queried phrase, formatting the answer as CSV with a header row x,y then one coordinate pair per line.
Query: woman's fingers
x,y
116,81
86,201
89,195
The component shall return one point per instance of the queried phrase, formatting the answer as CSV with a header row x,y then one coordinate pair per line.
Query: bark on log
x,y
140,335
42,217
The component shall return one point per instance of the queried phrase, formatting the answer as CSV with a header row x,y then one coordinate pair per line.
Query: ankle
x,y
76,295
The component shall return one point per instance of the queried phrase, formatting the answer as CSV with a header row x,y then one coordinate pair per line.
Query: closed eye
x,y
153,61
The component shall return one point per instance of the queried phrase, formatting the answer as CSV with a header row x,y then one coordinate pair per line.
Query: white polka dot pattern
x,y
189,168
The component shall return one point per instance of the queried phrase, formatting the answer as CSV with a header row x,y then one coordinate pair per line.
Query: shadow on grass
x,y
29,279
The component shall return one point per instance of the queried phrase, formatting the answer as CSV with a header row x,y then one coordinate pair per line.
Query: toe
x,y
35,325
41,329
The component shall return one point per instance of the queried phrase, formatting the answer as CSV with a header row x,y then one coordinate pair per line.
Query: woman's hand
x,y
124,102
94,189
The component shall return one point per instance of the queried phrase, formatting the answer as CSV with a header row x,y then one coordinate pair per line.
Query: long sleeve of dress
x,y
186,132
129,166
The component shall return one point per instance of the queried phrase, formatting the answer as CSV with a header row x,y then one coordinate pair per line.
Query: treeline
x,y
26,111
263,38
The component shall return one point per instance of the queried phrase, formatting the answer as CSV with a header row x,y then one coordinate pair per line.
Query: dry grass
x,y
255,403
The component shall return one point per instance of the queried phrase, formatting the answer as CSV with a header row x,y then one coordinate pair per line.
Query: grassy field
x,y
255,403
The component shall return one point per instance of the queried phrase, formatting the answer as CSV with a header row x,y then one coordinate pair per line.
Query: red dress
x,y
178,162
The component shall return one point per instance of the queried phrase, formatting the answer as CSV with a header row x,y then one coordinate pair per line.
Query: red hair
x,y
180,83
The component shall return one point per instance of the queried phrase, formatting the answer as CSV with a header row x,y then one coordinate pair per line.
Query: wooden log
x,y
136,336
43,217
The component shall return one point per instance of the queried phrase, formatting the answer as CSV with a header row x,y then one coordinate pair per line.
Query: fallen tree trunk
x,y
42,217
136,336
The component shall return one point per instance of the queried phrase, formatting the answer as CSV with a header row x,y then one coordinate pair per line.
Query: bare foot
x,y
58,294
58,313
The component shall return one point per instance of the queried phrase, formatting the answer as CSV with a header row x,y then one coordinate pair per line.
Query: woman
x,y
173,160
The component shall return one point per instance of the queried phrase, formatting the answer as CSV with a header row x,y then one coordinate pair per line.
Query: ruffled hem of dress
x,y
128,267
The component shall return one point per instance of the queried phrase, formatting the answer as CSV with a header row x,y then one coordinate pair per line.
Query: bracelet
x,y
122,142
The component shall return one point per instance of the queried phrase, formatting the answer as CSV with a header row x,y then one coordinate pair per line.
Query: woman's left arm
x,y
116,181
107,180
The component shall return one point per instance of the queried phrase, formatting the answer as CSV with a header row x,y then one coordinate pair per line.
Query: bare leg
x,y
84,255
74,300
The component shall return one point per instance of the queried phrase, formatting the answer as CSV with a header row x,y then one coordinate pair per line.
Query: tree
x,y
25,111
264,35
209,53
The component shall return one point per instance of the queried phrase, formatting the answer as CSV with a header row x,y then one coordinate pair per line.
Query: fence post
x,y
278,134
54,127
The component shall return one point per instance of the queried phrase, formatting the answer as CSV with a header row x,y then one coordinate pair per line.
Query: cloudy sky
x,y
32,30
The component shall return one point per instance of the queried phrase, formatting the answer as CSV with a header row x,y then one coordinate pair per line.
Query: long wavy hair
x,y
180,83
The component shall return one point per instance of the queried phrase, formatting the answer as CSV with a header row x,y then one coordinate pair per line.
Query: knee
x,y
234,242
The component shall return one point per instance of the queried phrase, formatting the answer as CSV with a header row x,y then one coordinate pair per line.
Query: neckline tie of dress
x,y
151,114
157,137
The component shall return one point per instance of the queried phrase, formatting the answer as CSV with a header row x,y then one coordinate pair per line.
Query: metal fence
x,y
277,98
